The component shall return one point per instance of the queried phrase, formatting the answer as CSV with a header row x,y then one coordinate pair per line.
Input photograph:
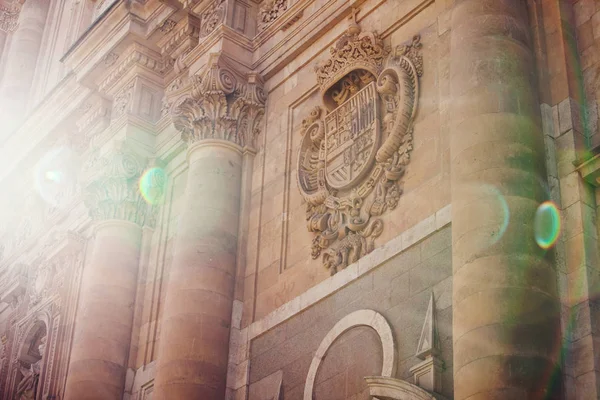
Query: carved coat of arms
x,y
356,148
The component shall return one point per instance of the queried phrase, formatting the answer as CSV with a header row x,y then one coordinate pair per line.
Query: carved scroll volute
x,y
222,104
352,157
398,85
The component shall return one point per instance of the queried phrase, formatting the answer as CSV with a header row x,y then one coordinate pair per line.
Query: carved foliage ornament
x,y
352,156
111,186
269,11
223,104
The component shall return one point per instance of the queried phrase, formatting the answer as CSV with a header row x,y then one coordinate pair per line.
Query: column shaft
x,y
104,321
20,65
195,323
506,324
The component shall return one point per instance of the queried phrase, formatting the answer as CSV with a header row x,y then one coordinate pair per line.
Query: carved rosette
x,y
223,104
212,17
111,186
353,155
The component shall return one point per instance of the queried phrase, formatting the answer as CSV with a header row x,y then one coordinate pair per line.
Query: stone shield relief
x,y
355,148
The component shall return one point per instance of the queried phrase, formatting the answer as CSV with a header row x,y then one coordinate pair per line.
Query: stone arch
x,y
358,318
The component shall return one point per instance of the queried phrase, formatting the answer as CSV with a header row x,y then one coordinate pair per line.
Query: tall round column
x,y
195,323
104,320
20,65
505,308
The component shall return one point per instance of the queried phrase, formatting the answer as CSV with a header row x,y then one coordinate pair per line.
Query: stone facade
x,y
299,199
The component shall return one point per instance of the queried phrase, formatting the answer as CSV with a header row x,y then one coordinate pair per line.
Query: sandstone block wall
x,y
400,290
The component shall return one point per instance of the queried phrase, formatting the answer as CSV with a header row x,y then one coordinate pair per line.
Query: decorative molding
x,y
136,56
111,185
269,11
93,121
368,318
222,104
352,158
15,287
9,15
388,388
181,39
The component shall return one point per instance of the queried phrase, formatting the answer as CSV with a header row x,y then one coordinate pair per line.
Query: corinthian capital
x,y
222,104
110,185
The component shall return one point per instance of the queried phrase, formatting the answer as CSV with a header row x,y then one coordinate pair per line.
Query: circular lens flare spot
x,y
547,225
152,184
53,176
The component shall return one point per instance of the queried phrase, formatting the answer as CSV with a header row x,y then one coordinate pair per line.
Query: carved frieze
x,y
269,11
111,185
222,104
355,151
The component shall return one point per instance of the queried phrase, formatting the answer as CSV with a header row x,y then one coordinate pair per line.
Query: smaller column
x,y
21,61
104,319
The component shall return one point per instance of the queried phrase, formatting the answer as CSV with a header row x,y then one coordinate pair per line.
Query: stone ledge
x,y
415,234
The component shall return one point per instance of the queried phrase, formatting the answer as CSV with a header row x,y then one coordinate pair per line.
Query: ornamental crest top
x,y
354,50
353,155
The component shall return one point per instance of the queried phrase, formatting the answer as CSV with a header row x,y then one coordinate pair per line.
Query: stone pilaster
x,y
506,324
104,320
21,61
217,120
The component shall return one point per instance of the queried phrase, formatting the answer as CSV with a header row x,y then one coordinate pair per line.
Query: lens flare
x,y
547,225
55,175
152,184
501,207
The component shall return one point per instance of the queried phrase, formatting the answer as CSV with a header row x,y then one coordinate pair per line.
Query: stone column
x,y
20,65
195,323
506,324
104,320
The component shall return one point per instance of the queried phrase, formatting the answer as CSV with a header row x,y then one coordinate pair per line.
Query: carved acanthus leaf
x,y
223,104
111,185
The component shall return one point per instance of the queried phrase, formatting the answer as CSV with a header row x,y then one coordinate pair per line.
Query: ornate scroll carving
x,y
269,11
9,16
111,185
223,104
351,158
